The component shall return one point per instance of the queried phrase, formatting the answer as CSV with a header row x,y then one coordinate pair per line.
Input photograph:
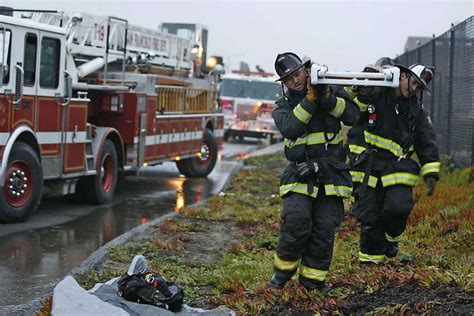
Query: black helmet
x,y
384,61
287,63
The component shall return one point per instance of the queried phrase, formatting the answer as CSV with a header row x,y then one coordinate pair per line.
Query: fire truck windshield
x,y
263,90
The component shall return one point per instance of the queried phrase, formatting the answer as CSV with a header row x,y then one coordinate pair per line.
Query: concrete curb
x,y
278,147
99,255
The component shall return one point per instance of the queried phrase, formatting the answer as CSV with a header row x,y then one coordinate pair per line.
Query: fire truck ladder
x,y
94,41
90,166
97,41
389,77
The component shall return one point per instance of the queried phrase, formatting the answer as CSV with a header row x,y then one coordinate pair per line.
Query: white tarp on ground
x,y
70,298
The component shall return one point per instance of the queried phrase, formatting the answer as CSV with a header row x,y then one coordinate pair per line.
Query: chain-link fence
x,y
451,104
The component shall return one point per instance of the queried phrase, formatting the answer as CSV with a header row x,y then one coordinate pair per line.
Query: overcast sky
x,y
345,35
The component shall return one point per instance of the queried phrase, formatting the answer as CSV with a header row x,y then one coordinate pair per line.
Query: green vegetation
x,y
436,255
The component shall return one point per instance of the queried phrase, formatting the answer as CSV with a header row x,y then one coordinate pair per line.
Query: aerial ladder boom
x,y
96,41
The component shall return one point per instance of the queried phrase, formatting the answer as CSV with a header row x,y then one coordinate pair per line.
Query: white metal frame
x,y
389,77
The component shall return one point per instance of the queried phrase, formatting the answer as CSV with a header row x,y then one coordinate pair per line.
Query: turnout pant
x,y
307,235
383,214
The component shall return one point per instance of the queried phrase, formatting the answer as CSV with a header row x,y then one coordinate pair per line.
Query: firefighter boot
x,y
279,278
391,249
320,286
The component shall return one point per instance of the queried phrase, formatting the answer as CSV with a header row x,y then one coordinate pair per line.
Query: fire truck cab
x,y
247,101
84,98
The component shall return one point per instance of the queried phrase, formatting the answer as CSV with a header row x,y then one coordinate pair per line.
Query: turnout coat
x,y
313,132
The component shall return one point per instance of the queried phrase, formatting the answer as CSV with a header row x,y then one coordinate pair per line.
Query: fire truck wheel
x,y
200,166
100,188
273,139
226,135
183,166
23,185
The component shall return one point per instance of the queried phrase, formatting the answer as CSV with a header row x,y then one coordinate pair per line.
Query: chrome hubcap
x,y
17,183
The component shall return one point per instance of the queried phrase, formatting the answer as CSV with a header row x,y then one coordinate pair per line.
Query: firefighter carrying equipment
x,y
288,63
402,128
384,173
313,132
312,207
148,287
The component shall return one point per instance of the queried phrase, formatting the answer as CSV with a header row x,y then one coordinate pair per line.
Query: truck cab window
x,y
29,61
5,43
49,66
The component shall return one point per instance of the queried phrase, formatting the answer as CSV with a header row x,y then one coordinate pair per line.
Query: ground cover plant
x,y
221,253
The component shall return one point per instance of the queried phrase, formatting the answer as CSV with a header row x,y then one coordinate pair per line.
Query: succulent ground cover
x,y
221,253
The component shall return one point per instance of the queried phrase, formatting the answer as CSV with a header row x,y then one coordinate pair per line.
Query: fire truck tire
x,y
201,166
183,166
273,140
100,189
23,185
226,135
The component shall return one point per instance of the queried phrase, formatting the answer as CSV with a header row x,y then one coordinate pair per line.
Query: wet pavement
x,y
37,254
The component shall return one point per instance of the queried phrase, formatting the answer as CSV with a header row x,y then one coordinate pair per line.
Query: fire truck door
x,y
142,139
25,76
61,120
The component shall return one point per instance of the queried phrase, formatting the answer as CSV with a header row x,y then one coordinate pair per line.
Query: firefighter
x,y
316,180
392,127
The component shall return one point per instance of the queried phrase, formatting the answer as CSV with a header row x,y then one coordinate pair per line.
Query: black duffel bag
x,y
148,287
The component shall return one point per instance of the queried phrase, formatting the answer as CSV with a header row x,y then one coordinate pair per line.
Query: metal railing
x,y
451,104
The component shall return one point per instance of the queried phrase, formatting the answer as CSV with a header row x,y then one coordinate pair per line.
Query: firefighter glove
x,y
324,93
431,184
306,169
311,93
364,94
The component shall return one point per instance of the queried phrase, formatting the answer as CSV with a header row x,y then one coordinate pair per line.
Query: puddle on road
x,y
34,261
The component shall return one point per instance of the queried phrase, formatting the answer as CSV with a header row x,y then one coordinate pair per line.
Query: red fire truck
x,y
85,98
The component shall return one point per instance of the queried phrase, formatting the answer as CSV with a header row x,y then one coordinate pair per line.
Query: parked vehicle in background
x,y
247,100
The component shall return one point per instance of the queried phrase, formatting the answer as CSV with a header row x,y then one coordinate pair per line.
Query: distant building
x,y
415,41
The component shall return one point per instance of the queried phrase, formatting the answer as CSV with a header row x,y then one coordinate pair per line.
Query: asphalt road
x,y
37,254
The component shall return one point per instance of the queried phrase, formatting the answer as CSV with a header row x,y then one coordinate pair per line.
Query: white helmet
x,y
422,74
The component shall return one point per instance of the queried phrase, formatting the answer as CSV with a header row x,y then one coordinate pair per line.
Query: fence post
x,y
433,89
472,145
450,90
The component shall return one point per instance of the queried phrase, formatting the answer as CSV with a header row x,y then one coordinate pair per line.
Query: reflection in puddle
x,y
45,255
179,200
178,186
